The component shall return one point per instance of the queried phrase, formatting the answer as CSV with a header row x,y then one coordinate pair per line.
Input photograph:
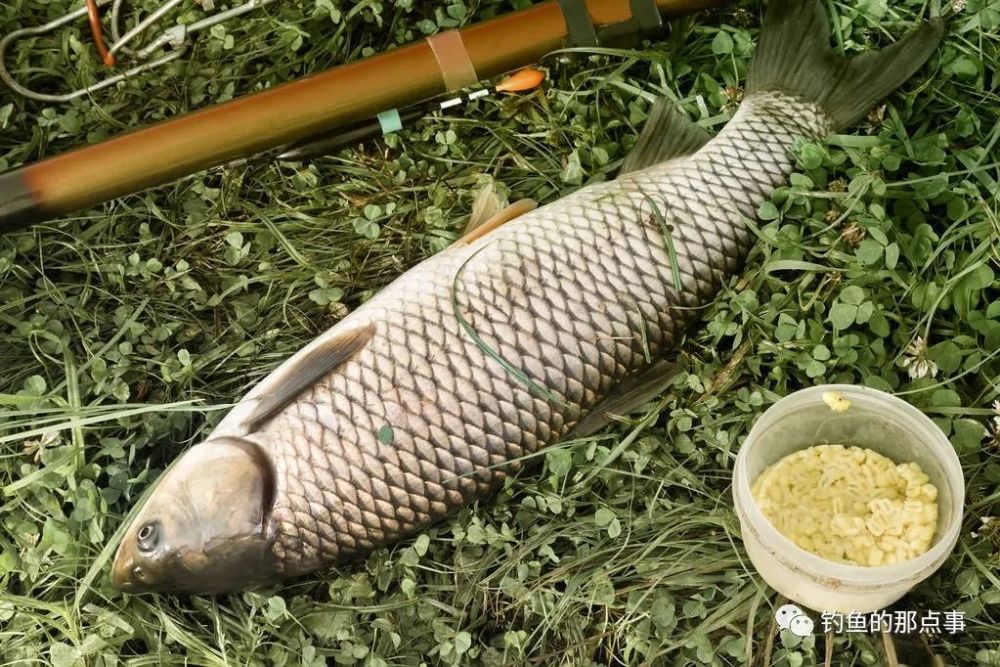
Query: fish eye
x,y
147,537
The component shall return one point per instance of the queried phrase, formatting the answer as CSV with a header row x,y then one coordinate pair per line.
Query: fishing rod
x,y
303,109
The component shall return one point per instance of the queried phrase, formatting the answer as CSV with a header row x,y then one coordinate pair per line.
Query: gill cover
x,y
205,527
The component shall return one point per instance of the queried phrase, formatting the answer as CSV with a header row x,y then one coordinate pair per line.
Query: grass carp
x,y
532,327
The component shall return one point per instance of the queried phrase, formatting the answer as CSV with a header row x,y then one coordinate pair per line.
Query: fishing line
x,y
512,370
666,230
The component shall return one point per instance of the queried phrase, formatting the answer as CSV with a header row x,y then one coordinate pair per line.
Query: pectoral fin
x,y
305,371
632,393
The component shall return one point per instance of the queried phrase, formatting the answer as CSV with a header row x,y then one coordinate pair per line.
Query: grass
x,y
126,331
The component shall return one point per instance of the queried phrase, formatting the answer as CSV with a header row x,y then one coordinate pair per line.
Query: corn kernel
x,y
836,401
850,504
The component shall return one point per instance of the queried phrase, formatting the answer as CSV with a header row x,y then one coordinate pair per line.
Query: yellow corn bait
x,y
850,504
836,401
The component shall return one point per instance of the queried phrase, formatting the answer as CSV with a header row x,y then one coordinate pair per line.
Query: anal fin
x,y
632,393
668,134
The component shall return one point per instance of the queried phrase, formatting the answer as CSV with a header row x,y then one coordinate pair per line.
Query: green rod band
x,y
390,121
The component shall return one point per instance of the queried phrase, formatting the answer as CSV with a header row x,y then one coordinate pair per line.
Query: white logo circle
x,y
791,617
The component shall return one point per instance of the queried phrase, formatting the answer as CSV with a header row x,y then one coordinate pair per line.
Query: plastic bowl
x,y
876,420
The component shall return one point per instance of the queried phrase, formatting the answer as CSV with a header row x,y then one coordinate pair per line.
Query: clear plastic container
x,y
878,421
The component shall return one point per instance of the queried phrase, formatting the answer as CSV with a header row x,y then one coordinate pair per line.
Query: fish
x,y
537,325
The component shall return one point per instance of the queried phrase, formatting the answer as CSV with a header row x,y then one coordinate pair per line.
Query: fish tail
x,y
794,57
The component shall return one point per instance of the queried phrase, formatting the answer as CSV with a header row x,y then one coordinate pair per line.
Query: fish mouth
x,y
119,576
126,574
123,566
123,574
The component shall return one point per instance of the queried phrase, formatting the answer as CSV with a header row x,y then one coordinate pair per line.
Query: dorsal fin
x,y
506,214
632,393
668,134
316,363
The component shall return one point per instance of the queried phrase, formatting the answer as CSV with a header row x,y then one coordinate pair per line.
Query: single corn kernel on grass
x,y
850,505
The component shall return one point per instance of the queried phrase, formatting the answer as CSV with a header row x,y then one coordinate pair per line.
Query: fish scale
x,y
535,294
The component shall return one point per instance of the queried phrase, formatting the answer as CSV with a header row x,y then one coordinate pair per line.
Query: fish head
x,y
205,528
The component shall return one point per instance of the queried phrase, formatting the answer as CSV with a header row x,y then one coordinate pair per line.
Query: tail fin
x,y
794,56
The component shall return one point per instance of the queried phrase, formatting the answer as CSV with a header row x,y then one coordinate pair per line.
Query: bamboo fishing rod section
x,y
301,109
